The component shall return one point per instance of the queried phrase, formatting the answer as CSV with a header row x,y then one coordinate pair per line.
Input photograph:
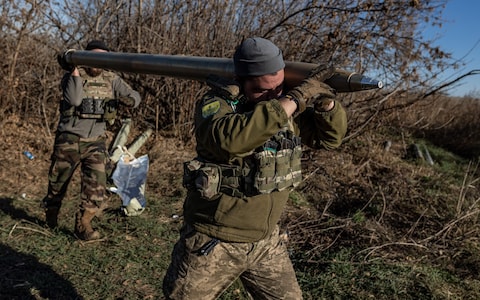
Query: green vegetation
x,y
128,263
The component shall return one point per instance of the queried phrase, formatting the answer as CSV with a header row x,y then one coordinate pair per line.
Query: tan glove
x,y
313,89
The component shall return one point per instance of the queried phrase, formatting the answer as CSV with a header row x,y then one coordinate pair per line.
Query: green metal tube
x,y
198,68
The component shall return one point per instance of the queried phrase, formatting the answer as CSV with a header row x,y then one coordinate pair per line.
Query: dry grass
x,y
365,223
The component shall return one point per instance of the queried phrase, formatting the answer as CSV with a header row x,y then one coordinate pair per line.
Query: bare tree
x,y
380,39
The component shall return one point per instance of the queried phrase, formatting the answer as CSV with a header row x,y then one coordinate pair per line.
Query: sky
x,y
460,35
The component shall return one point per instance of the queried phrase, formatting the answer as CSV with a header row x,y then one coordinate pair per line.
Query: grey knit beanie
x,y
256,57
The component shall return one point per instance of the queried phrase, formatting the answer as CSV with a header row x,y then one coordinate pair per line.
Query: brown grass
x,y
381,205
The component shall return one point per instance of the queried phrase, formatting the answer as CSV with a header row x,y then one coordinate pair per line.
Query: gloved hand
x,y
313,89
126,101
61,58
111,104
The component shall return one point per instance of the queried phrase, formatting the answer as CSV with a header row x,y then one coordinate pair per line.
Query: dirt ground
x,y
374,195
21,177
359,196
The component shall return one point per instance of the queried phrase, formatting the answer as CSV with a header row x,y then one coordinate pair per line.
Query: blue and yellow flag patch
x,y
210,108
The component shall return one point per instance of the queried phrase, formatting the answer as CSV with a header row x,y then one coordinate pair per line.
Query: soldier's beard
x,y
94,72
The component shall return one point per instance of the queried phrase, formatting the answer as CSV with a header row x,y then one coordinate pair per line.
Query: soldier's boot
x,y
103,207
51,216
83,226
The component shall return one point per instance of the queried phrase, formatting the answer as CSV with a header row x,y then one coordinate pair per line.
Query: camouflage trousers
x,y
69,152
263,267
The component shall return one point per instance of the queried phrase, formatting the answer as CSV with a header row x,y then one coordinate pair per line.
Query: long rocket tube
x,y
198,68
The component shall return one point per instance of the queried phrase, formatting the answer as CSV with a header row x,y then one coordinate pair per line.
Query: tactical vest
x,y
275,166
97,102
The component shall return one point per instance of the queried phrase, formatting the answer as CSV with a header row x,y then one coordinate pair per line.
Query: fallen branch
x,y
373,249
44,232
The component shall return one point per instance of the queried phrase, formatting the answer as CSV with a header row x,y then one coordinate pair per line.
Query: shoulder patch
x,y
210,107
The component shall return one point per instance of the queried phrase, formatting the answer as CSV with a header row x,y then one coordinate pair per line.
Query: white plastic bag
x,y
129,177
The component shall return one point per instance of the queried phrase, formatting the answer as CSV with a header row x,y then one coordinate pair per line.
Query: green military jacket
x,y
228,134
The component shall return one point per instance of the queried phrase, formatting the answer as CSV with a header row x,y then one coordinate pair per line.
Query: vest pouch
x,y
203,178
284,176
208,181
99,106
190,171
265,175
110,114
91,108
296,165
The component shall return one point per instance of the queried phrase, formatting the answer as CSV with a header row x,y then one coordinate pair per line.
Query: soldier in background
x,y
248,146
90,98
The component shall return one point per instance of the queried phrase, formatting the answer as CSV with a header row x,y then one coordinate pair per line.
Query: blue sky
x,y
460,35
